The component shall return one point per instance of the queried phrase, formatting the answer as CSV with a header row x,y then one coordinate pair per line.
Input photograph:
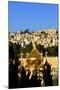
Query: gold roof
x,y
34,54
34,57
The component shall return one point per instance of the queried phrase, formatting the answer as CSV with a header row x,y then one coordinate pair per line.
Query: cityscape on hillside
x,y
47,38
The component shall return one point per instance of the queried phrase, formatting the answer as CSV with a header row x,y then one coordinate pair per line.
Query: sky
x,y
32,16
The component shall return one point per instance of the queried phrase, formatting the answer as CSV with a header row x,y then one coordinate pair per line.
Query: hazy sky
x,y
32,16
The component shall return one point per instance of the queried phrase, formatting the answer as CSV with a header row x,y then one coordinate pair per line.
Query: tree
x,y
47,74
53,51
40,48
26,31
11,51
27,48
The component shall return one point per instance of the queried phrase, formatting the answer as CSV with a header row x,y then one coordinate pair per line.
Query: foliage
x,y
47,74
15,50
52,51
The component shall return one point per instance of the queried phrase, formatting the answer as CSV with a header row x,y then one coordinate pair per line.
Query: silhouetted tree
x,y
26,31
11,51
47,74
13,73
40,48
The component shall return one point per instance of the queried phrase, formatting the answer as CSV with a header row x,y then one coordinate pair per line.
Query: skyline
x,y
32,16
